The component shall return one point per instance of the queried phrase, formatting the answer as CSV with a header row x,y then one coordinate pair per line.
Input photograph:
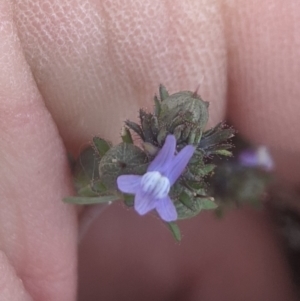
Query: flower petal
x,y
166,209
248,158
164,157
129,183
257,158
264,158
143,203
178,164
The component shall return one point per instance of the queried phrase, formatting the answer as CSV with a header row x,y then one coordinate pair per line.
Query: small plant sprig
x,y
169,168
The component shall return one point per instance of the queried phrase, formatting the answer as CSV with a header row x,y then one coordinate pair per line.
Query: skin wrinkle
x,y
28,215
38,232
71,92
11,84
11,286
114,66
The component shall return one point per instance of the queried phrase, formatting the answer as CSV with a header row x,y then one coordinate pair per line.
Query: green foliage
x,y
234,185
183,114
90,200
121,159
128,200
173,227
163,93
101,146
126,136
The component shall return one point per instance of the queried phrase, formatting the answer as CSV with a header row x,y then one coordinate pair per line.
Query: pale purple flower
x,y
152,189
257,158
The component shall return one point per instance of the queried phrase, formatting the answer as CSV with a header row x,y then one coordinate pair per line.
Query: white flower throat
x,y
154,183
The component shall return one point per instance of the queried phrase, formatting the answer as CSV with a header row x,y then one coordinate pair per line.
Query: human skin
x,y
74,69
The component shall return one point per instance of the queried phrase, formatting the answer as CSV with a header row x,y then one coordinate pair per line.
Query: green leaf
x,y
157,106
85,170
126,135
215,136
101,146
186,200
184,211
206,169
90,200
151,149
163,93
215,129
86,191
121,159
146,125
223,152
208,204
129,200
154,125
173,227
98,187
195,185
136,128
95,188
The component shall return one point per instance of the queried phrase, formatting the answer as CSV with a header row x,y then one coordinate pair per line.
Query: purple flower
x,y
152,189
257,158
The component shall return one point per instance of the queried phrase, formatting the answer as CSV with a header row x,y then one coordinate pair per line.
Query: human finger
x,y
37,231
